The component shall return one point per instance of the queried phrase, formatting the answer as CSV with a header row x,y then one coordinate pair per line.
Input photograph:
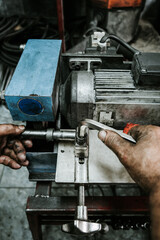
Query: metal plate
x,y
103,167
42,166
65,163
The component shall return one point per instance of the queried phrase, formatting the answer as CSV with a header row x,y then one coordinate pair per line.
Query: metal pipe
x,y
61,23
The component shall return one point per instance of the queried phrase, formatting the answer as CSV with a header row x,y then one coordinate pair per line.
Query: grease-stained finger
x,y
19,151
10,153
9,129
27,143
3,143
10,142
25,164
7,161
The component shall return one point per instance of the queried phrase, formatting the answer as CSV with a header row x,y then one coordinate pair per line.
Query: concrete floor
x,y
14,190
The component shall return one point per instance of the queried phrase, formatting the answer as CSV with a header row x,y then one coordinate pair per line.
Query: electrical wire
x,y
14,32
2,21
120,41
7,28
101,189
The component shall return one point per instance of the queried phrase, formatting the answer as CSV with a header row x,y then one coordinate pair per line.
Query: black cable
x,y
2,22
45,32
120,41
113,189
9,57
5,26
11,48
101,189
21,30
16,32
7,62
2,34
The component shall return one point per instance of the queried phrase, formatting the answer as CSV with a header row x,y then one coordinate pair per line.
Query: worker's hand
x,y
142,160
12,150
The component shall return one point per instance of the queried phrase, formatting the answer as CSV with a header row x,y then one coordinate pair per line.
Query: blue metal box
x,y
32,94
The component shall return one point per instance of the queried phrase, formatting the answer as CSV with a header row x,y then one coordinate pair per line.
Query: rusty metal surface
x,y
61,23
96,205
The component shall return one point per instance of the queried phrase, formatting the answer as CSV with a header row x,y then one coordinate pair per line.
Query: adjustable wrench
x,y
99,126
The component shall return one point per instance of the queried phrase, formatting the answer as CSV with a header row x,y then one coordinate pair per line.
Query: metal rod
x,y
50,135
64,135
35,134
61,23
81,195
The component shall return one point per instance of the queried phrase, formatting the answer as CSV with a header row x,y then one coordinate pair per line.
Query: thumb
x,y
121,147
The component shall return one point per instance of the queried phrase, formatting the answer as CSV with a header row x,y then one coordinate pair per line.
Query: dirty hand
x,y
12,150
142,160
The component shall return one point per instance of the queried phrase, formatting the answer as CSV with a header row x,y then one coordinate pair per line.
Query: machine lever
x,y
81,225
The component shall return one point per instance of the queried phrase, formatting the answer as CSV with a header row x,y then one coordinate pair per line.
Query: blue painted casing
x,y
32,94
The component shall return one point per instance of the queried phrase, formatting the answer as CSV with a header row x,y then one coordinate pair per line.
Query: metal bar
x,y
35,226
64,135
35,134
43,189
96,205
81,195
61,23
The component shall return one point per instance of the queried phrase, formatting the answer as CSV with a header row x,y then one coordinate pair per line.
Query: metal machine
x,y
109,82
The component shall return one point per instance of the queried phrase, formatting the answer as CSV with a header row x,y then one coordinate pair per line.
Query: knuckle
x,y
152,131
6,151
18,147
123,156
11,141
8,128
7,161
111,139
